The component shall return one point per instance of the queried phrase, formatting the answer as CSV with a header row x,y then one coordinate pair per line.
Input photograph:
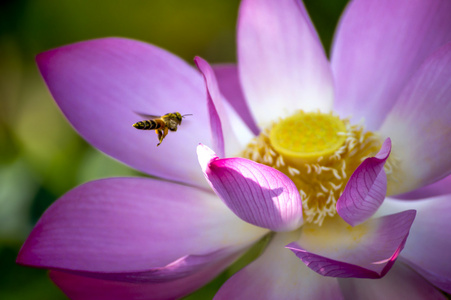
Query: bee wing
x,y
146,116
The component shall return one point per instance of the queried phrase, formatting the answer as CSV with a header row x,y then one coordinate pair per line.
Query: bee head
x,y
180,117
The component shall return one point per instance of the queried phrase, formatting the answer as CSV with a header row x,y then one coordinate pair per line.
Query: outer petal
x,y
278,274
101,84
427,249
366,189
85,288
224,137
378,46
256,193
230,87
281,62
420,125
365,251
133,225
400,283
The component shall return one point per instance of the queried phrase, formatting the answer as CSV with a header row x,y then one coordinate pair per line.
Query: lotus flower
x,y
298,148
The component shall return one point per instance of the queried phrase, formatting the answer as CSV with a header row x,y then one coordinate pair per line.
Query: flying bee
x,y
161,124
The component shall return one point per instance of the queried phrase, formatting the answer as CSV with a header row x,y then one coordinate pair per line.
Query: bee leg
x,y
160,136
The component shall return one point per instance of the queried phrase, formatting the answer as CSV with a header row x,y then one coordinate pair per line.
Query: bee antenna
x,y
186,115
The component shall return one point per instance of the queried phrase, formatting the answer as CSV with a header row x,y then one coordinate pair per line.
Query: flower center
x,y
307,136
319,152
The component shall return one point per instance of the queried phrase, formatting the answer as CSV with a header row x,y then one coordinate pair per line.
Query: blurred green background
x,y
41,157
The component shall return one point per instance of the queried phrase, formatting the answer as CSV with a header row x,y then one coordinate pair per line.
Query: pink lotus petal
x,y
378,46
366,189
101,84
230,87
278,274
256,193
427,250
85,288
224,123
133,225
420,124
400,283
214,106
371,255
282,64
438,188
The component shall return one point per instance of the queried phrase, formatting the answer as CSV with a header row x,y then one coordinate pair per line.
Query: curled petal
x,y
420,125
230,87
256,193
214,106
100,85
365,251
282,64
366,189
225,140
427,249
379,44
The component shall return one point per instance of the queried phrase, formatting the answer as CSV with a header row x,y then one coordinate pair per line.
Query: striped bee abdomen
x,y
147,125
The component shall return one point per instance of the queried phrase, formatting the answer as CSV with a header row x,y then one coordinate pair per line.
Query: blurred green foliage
x,y
41,157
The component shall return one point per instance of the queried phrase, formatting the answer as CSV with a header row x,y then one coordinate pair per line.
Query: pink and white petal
x,y
230,87
438,188
133,225
282,64
364,251
86,288
400,283
229,133
256,193
366,189
100,85
420,125
427,249
377,48
278,274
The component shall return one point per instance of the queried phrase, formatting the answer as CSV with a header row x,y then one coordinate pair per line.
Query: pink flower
x,y
318,190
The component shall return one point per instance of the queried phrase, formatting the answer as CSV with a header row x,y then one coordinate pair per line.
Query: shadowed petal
x,y
427,249
100,85
229,136
282,64
230,87
365,251
420,125
278,274
366,189
134,225
378,46
400,283
256,193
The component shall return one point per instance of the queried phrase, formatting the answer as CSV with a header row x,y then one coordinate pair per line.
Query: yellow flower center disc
x,y
308,136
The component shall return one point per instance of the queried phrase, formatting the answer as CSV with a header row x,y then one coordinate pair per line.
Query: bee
x,y
161,124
